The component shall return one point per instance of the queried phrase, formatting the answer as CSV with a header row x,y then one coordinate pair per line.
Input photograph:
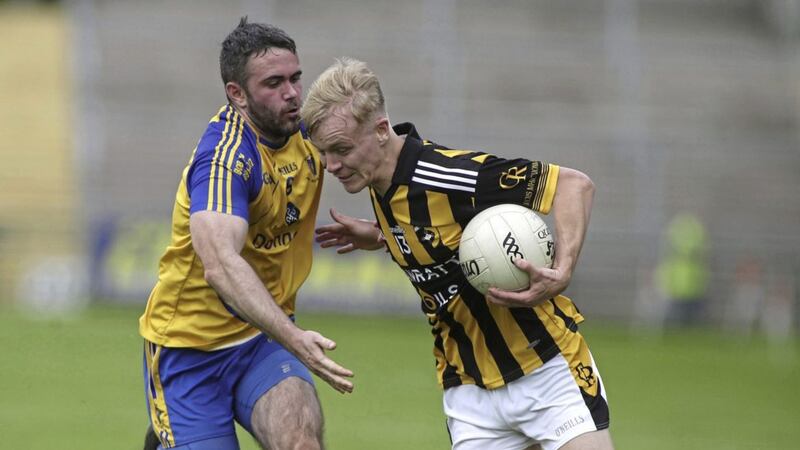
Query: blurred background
x,y
685,113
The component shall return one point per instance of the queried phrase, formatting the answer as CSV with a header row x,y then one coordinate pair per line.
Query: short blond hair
x,y
347,82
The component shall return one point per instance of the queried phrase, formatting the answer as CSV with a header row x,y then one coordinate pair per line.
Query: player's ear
x,y
382,129
236,94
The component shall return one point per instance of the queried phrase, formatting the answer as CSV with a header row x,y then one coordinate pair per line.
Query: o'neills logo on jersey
x,y
397,230
288,168
292,214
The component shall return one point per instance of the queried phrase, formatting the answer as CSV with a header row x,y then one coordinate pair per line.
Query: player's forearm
x,y
572,207
239,286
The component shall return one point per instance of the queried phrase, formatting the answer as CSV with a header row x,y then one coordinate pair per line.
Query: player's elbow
x,y
578,182
213,273
586,185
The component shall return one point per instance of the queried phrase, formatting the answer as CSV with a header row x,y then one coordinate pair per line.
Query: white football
x,y
497,236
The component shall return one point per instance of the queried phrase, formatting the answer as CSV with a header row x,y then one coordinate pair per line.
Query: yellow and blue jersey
x,y
235,171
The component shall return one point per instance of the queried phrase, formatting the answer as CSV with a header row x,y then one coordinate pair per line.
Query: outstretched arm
x,y
218,240
572,206
349,233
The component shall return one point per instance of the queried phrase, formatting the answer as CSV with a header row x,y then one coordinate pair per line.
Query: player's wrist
x,y
291,336
380,239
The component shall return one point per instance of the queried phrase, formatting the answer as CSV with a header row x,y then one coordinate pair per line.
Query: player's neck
x,y
393,147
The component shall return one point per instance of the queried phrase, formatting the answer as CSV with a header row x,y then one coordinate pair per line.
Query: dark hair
x,y
245,40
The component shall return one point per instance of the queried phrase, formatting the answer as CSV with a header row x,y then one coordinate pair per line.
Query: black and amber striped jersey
x,y
435,191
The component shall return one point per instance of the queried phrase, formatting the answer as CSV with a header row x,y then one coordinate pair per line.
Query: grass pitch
x,y
76,384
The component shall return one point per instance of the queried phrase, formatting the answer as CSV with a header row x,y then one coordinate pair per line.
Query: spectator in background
x,y
746,300
778,314
762,298
682,274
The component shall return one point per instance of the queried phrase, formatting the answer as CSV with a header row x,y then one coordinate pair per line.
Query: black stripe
x,y
568,321
406,162
450,376
461,207
495,341
464,346
598,407
540,183
418,205
421,217
449,435
533,329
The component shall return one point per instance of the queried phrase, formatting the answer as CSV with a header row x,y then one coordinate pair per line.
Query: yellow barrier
x,y
37,175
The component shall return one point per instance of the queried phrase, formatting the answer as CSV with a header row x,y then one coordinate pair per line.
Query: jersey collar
x,y
409,154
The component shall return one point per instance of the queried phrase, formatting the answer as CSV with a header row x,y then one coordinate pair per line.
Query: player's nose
x,y
291,92
331,164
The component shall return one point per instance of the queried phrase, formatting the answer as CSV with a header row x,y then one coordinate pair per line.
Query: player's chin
x,y
353,190
292,127
352,186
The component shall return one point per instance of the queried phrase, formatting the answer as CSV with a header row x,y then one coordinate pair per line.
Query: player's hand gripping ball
x,y
496,237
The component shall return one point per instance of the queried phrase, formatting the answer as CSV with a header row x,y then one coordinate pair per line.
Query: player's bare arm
x,y
218,240
572,207
349,233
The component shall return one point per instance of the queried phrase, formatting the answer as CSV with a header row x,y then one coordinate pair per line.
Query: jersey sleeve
x,y
222,174
519,181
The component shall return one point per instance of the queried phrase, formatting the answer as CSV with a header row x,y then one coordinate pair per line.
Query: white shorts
x,y
546,407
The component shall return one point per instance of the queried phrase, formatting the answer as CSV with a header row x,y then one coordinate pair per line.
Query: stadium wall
x,y
669,105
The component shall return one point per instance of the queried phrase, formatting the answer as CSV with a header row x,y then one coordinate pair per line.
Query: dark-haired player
x,y
220,341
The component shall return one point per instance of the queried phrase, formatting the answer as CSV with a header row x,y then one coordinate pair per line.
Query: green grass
x,y
76,384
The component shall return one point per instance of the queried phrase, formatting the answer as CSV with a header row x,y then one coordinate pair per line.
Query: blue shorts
x,y
194,395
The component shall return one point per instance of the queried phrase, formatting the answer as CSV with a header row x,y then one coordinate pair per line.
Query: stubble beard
x,y
269,122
